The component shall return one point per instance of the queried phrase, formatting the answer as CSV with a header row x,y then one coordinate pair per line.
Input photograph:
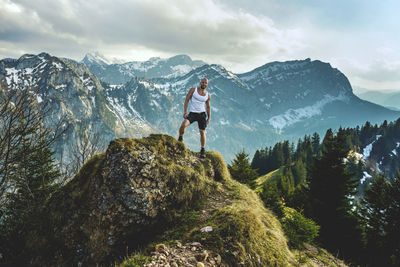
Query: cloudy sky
x,y
361,38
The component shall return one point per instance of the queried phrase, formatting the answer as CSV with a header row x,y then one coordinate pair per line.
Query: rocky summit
x,y
143,192
120,197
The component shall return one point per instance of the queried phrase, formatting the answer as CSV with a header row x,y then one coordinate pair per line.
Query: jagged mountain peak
x,y
31,70
211,71
155,67
95,58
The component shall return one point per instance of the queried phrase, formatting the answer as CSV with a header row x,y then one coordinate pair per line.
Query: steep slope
x,y
144,187
119,73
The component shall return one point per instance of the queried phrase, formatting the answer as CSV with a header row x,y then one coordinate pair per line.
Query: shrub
x,y
298,228
272,199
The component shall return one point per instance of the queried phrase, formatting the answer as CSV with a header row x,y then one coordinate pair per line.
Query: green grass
x,y
135,260
271,176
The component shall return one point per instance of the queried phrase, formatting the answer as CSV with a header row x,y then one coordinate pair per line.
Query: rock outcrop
x,y
122,197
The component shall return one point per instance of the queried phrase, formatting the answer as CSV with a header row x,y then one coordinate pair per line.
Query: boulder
x,y
121,198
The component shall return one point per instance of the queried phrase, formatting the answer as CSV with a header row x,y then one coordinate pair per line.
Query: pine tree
x,y
241,170
381,212
393,222
315,143
256,162
374,207
272,198
299,172
285,182
277,157
331,189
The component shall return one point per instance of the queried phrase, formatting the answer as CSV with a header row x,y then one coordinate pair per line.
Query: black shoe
x,y
180,138
202,153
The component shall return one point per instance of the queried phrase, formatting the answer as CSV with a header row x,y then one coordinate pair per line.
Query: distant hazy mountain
x,y
280,100
388,99
114,73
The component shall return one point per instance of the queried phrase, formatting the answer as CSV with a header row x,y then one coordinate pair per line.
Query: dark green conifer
x,y
331,190
241,170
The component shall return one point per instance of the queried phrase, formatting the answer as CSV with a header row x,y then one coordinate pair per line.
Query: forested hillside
x,y
347,182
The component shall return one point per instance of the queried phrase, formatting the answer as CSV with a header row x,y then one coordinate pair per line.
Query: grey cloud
x,y
380,72
172,27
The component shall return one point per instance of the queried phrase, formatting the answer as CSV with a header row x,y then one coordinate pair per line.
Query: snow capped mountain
x,y
120,73
95,58
305,95
72,92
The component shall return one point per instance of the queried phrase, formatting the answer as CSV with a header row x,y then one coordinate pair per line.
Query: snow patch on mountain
x,y
39,99
174,85
181,69
367,150
245,126
11,76
28,71
365,176
57,65
128,117
224,122
292,116
394,150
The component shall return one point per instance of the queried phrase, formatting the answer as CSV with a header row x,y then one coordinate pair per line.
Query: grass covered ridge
x,y
244,231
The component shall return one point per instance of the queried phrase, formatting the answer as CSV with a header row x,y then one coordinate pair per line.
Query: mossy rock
x,y
121,198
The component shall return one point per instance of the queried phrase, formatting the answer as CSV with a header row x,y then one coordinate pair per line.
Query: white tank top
x,y
197,102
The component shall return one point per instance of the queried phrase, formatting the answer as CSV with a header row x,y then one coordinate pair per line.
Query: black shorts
x,y
201,119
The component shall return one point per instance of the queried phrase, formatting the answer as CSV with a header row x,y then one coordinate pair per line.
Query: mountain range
x,y
279,100
118,73
389,99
